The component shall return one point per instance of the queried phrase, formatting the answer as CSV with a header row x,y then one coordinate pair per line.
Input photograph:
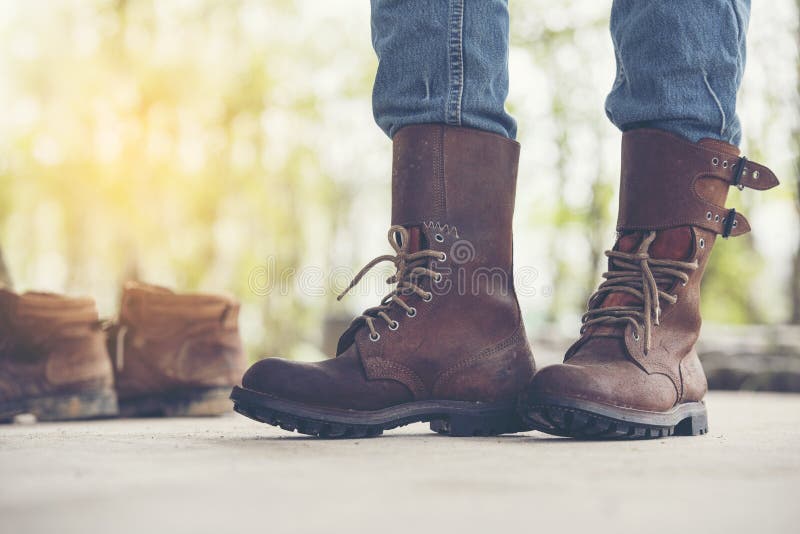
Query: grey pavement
x,y
231,474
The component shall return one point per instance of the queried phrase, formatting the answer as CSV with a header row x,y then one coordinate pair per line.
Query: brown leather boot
x,y
175,355
634,373
447,345
53,360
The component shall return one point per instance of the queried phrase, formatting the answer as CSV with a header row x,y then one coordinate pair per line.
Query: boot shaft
x,y
457,178
671,210
678,189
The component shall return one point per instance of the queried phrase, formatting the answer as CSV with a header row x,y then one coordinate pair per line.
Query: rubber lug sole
x,y
591,420
197,402
452,418
68,407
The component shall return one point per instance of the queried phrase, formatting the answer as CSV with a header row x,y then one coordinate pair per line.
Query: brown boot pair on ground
x,y
448,346
167,354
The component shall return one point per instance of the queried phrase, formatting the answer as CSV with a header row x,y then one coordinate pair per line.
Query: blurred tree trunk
x,y
795,278
5,277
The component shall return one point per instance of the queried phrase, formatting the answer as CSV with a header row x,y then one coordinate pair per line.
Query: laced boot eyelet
x,y
394,325
702,243
439,238
443,257
412,312
635,335
427,297
374,337
438,278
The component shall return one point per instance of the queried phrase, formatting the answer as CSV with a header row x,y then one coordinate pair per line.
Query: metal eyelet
x,y
439,238
715,161
427,297
635,335
443,257
702,243
438,278
735,223
374,337
716,218
394,325
412,312
755,175
708,215
725,164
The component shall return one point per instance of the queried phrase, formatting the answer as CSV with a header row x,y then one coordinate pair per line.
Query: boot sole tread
x,y
452,418
594,421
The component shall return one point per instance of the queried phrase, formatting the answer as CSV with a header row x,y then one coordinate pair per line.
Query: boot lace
x,y
410,267
640,275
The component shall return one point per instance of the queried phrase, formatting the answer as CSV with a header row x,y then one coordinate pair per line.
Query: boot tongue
x,y
414,239
672,244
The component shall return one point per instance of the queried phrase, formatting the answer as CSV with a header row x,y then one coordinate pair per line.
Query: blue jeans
x,y
679,65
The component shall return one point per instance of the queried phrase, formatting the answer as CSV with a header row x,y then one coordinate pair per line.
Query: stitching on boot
x,y
445,376
444,229
382,368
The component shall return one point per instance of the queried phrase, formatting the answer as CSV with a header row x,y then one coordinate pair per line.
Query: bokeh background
x,y
229,146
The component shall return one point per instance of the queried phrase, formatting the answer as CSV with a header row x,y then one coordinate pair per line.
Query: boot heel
x,y
478,425
696,425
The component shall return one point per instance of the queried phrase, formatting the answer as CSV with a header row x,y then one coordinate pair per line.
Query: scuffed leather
x,y
694,381
335,383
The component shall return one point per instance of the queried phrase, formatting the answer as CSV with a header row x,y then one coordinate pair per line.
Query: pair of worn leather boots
x,y
167,354
447,345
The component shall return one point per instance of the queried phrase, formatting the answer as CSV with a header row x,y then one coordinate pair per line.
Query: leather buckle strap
x,y
743,173
668,181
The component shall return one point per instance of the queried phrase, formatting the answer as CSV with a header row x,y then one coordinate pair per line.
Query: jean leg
x,y
679,66
441,61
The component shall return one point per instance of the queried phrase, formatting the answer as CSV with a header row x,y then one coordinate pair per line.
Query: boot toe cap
x,y
273,376
621,384
335,383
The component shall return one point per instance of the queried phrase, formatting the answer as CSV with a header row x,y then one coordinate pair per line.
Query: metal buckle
x,y
730,223
737,178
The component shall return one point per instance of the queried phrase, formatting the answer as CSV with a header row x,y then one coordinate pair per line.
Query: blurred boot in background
x,y
175,355
53,359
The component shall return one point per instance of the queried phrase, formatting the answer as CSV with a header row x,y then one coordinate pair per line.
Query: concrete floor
x,y
231,474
